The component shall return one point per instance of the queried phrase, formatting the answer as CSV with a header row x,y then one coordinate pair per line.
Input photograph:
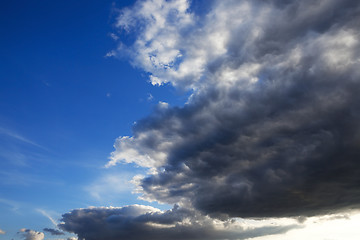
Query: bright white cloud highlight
x,y
31,234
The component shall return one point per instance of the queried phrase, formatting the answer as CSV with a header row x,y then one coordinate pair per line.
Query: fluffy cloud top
x,y
271,128
29,234
143,222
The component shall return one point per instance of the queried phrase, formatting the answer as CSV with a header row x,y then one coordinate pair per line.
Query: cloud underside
x,y
53,232
144,222
271,128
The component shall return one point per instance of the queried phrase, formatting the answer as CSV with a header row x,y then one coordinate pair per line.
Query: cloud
x,y
54,232
31,234
271,128
109,186
13,135
46,214
145,222
2,231
13,204
157,48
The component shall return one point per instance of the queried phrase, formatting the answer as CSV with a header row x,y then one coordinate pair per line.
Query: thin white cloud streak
x,y
13,204
47,215
19,178
18,137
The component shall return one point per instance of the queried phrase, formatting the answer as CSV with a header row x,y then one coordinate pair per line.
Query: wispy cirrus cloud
x,y
13,204
47,215
18,137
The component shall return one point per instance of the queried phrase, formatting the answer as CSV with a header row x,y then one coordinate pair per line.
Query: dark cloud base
x,y
138,222
53,232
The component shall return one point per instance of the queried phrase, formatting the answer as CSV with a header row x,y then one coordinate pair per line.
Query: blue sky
x,y
184,116
62,105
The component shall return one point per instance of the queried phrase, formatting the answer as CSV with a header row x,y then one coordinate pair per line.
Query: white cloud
x,y
19,137
127,151
114,36
318,228
46,214
109,186
31,234
158,48
2,231
13,204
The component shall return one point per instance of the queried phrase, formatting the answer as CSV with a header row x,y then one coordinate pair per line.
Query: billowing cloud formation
x,y
53,231
2,231
31,234
144,222
271,128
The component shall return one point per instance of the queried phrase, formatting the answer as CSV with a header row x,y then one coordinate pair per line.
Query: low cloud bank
x,y
143,222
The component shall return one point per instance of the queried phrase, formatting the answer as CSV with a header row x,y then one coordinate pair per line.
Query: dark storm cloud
x,y
272,128
141,222
54,232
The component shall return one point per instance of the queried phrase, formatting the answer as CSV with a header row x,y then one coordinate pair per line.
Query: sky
x,y
177,119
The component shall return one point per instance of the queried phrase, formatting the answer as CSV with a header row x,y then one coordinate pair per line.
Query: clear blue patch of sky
x,y
62,105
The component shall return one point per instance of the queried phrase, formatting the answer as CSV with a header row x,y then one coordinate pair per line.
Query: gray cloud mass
x,y
29,234
54,232
143,222
271,128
